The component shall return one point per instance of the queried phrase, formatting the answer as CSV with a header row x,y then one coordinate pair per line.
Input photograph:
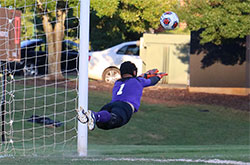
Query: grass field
x,y
157,134
146,154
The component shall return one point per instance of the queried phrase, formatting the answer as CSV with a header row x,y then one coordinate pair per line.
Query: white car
x,y
104,65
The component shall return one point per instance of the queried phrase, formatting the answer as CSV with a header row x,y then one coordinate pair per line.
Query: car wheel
x,y
110,75
30,70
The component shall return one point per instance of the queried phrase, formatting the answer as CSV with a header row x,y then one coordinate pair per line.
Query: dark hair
x,y
128,68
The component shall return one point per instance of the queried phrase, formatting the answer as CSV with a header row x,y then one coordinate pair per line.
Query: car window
x,y
122,50
133,50
129,50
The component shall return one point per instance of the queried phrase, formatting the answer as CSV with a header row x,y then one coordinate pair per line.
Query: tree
x,y
120,20
219,19
220,27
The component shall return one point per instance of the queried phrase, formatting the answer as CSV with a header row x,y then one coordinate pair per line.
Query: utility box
x,y
169,53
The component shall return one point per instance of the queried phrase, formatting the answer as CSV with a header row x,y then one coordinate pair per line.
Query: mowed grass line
x,y
145,154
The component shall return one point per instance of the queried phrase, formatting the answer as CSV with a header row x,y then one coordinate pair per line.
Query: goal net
x,y
39,76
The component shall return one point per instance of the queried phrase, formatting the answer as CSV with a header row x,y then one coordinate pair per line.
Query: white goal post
x,y
43,88
82,142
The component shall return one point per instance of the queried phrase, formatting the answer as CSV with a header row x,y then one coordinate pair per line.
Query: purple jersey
x,y
130,90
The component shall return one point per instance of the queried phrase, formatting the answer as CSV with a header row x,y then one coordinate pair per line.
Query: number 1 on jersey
x,y
120,90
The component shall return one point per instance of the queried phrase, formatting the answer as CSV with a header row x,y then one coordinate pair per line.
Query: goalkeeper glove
x,y
162,74
150,73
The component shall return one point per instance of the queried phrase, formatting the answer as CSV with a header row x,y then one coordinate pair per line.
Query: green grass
x,y
155,132
56,103
181,125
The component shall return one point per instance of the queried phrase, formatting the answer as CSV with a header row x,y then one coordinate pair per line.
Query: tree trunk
x,y
54,41
58,38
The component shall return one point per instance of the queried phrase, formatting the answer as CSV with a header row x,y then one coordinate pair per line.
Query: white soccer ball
x,y
169,20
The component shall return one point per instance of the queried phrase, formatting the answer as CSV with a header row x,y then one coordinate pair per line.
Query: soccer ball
x,y
169,20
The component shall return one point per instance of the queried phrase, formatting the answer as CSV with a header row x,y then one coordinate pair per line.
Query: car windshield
x,y
30,42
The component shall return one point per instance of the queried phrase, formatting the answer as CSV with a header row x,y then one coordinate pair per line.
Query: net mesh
x,y
39,93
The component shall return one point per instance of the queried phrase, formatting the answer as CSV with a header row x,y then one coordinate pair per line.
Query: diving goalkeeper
x,y
126,97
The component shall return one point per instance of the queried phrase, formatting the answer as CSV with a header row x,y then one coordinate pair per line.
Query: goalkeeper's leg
x,y
112,115
91,117
120,114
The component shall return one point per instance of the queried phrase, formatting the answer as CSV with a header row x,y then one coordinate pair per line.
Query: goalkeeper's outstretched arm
x,y
153,76
154,80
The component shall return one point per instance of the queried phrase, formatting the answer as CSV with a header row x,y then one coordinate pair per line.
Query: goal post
x,y
82,140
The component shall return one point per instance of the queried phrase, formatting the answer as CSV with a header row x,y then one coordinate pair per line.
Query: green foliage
x,y
105,8
112,21
116,21
15,4
106,32
137,15
220,19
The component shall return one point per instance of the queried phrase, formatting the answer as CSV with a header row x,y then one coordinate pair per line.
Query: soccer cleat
x,y
82,117
91,120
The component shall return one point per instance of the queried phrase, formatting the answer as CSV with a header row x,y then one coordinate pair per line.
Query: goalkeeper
x,y
126,96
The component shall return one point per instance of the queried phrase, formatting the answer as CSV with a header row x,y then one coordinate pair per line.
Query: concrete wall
x,y
227,75
168,53
217,75
226,70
